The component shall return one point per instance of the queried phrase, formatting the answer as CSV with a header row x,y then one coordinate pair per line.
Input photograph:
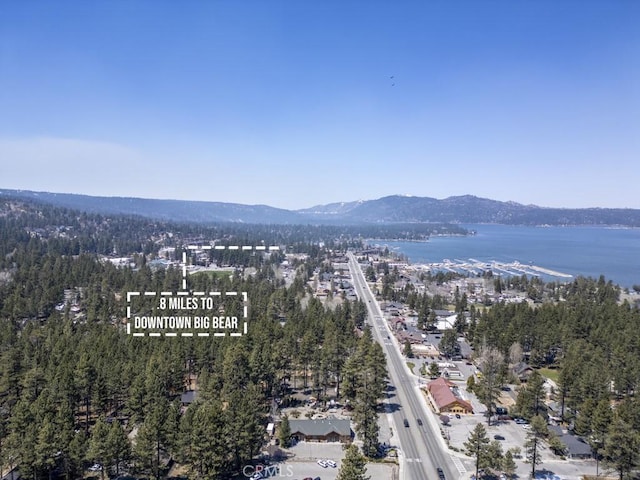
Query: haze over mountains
x,y
390,209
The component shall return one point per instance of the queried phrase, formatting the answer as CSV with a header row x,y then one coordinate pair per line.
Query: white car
x,y
322,463
331,463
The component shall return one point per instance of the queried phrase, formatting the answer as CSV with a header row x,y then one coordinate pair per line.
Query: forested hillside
x,y
76,390
437,215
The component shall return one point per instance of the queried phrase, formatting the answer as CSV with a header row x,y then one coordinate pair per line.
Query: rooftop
x,y
321,427
440,390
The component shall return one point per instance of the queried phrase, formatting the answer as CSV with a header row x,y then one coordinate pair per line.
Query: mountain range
x,y
390,209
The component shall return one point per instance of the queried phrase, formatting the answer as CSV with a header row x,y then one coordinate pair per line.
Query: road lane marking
x,y
458,463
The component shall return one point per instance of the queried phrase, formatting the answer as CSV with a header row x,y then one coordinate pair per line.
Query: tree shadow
x,y
392,407
546,474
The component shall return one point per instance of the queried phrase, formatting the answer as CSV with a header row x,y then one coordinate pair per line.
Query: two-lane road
x,y
421,448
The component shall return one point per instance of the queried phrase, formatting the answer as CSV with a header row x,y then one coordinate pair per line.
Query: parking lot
x,y
304,464
300,470
514,436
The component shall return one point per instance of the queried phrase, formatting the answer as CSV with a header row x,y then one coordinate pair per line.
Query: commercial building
x,y
440,393
321,430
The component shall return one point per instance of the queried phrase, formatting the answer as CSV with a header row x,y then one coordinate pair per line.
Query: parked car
x,y
331,463
419,420
406,422
440,473
458,416
322,463
498,437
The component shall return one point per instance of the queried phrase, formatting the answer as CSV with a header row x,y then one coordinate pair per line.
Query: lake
x,y
587,251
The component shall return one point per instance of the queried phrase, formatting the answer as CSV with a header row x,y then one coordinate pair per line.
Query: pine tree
x,y
508,464
536,433
308,346
621,448
151,439
172,427
244,424
477,446
495,455
144,449
556,445
530,400
491,361
46,446
64,425
98,449
117,445
353,466
408,351
284,432
85,378
366,419
365,379
584,417
449,342
207,448
77,453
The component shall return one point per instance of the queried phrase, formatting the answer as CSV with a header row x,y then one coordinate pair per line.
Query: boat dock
x,y
477,267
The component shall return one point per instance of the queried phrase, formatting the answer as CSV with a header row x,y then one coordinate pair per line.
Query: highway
x,y
422,449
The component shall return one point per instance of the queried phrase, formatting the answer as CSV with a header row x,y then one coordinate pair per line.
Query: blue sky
x,y
292,104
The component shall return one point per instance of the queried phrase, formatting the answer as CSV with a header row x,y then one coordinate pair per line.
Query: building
x,y
399,324
270,429
523,371
575,447
321,430
13,474
445,320
440,393
187,398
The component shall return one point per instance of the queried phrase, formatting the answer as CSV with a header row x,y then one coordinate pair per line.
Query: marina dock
x,y
476,267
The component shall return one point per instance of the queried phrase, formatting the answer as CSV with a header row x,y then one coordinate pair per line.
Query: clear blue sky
x,y
292,104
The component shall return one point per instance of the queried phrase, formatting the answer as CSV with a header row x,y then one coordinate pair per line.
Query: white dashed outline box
x,y
245,315
243,248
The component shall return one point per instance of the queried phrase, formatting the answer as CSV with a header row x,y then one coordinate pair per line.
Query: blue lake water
x,y
587,251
